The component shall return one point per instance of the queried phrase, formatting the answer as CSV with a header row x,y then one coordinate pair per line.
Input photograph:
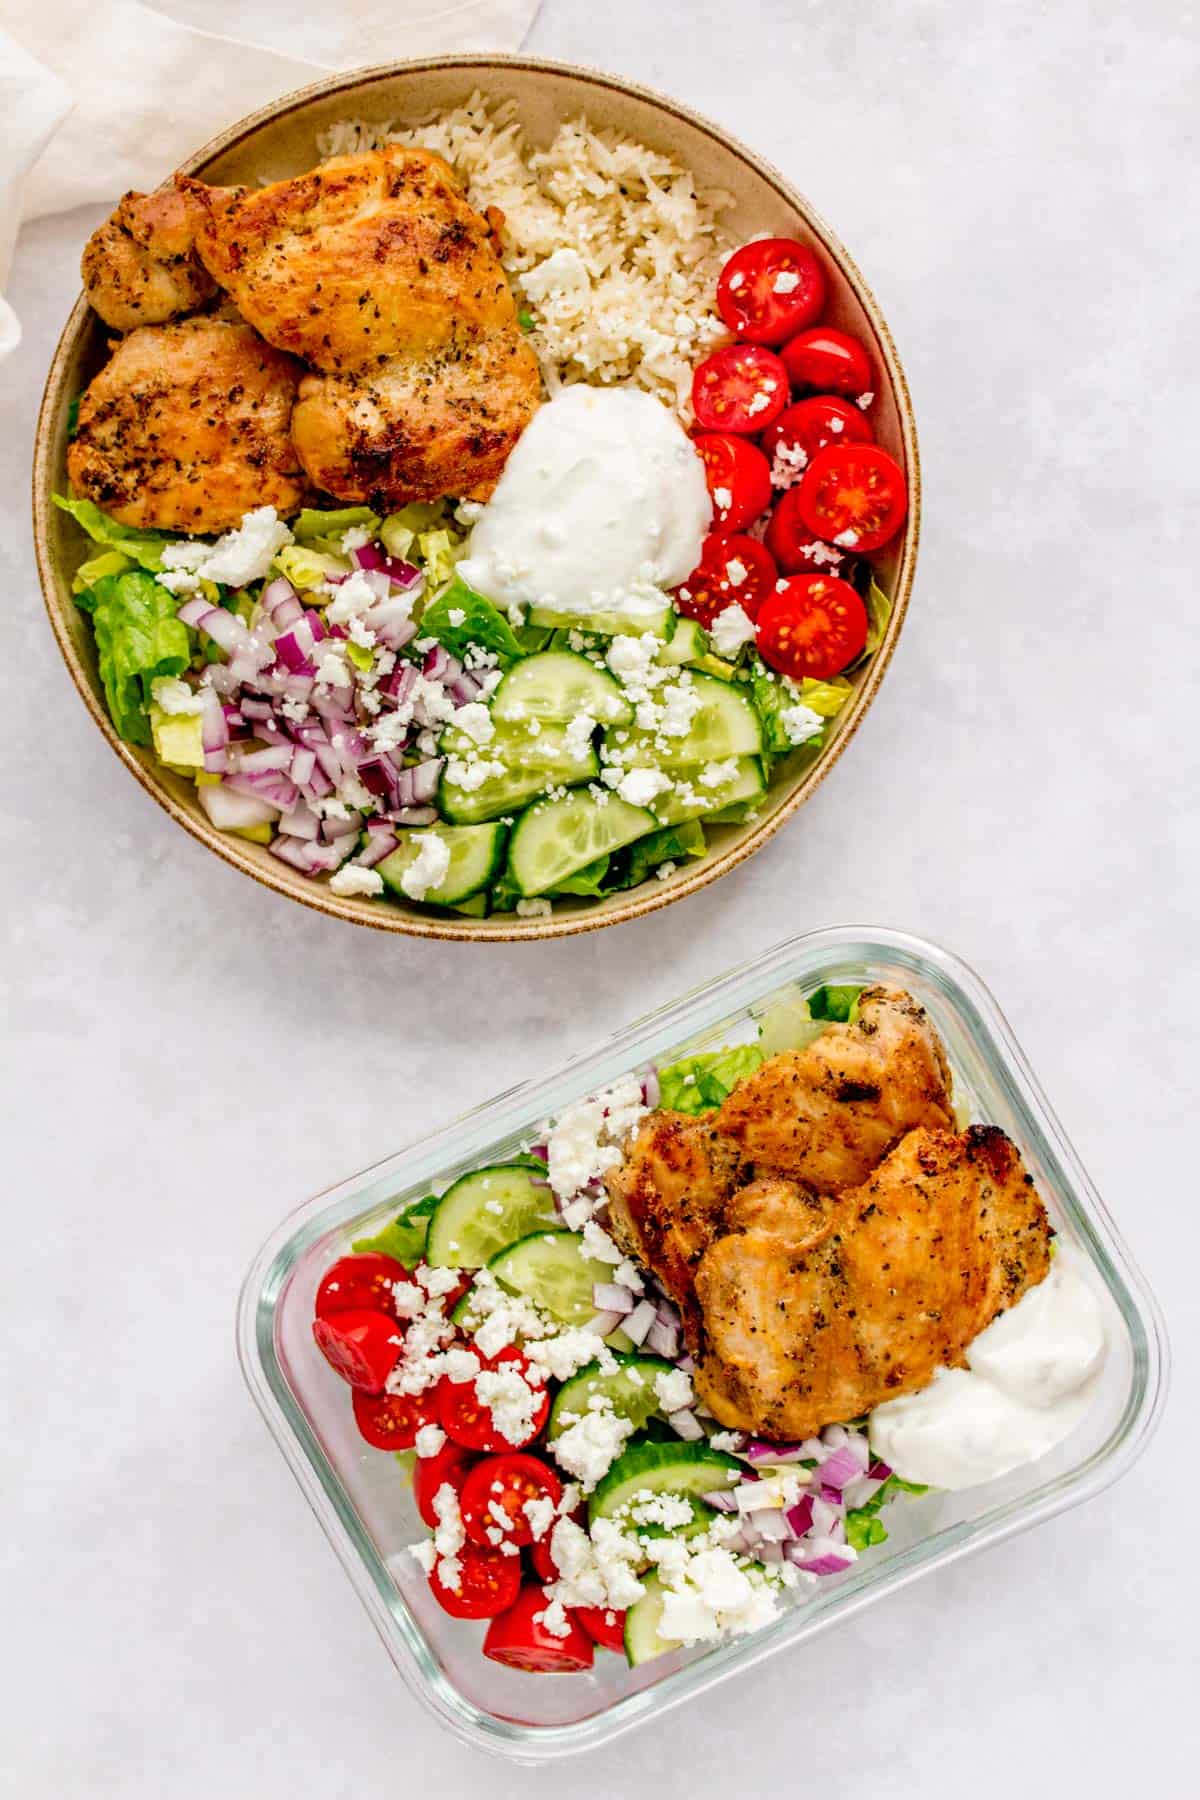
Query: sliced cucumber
x,y
686,644
701,1517
553,840
477,907
725,724
551,1269
559,686
545,747
604,624
661,1468
483,1212
506,793
629,1390
476,854
643,1621
689,798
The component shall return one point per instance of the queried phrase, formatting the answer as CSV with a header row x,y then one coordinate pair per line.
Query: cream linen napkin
x,y
102,95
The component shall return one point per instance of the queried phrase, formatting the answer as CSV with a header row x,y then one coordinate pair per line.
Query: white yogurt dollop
x,y
1031,1378
602,505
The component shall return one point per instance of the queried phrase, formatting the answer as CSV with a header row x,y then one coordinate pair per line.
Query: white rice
x,y
629,295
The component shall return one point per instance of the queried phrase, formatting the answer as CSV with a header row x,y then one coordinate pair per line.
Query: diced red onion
x,y
439,665
820,1556
604,1322
374,556
293,647
302,765
426,776
541,1151
401,682
413,815
270,786
838,1469
686,1364
824,1516
769,1551
390,623
857,1493
800,1517
651,1088
463,689
879,1471
276,594
759,1451
610,1297
214,732
639,1323
256,709
377,774
301,822
257,762
231,811
333,829
685,1425
663,1339
380,843
312,858
720,1498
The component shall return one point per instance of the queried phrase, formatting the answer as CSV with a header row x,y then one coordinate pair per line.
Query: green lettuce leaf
x,y
588,881
138,638
863,1525
73,417
879,611
698,1083
838,1003
109,562
629,867
405,1237
482,623
143,547
316,522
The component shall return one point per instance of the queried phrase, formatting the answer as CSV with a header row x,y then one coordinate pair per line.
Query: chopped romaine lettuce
x,y
315,522
772,696
405,1237
863,1525
142,547
588,881
675,843
836,1003
308,568
789,1025
138,638
424,532
73,417
698,1083
482,623
879,611
109,562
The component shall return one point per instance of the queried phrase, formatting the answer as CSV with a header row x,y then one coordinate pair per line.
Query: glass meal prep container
x,y
364,1500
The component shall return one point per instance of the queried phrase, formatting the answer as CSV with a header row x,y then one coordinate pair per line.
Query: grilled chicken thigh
x,y
826,1114
140,267
667,1200
817,1310
187,428
375,270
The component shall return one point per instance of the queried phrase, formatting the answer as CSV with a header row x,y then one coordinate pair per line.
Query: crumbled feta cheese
x,y
847,539
350,880
554,1618
674,1390
429,869
726,1440
640,786
648,1508
719,774
449,1534
540,1512
175,697
786,282
586,1142
423,1554
589,1446
438,1280
599,1245
351,597
429,1440
759,403
732,627
511,1400
723,497
237,558
787,464
566,1352
864,400
628,1275
800,723
665,870
578,735
456,616
538,908
476,721
680,705
461,1365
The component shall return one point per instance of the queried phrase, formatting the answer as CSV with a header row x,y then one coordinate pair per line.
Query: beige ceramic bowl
x,y
281,140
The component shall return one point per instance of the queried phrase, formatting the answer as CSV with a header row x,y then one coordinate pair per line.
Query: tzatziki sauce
x,y
602,506
1031,1378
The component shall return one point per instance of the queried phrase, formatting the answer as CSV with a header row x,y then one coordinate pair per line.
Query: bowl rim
x,y
504,928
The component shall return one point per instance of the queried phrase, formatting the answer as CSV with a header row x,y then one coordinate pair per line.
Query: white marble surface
x,y
187,1056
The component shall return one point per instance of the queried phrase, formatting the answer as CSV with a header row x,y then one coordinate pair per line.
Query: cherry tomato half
x,y
738,477
854,495
605,1625
496,1492
793,545
392,1421
811,424
488,1584
520,1640
771,289
357,1283
451,1464
733,571
740,388
465,1417
831,361
812,625
364,1347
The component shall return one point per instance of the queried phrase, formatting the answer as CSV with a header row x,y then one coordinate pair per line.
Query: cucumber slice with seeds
x,y
725,725
602,624
554,839
643,1626
476,854
483,1212
558,685
690,798
663,1468
552,1269
629,1390
531,772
